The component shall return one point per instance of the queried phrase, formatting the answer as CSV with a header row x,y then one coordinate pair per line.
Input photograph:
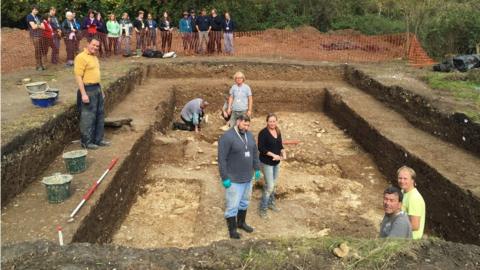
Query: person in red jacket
x,y
47,39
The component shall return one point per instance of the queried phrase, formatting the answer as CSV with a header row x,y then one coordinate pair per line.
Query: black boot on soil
x,y
242,214
232,228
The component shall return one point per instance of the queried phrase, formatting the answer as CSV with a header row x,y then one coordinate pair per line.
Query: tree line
x,y
443,26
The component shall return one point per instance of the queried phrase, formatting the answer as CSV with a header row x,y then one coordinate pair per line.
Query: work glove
x,y
227,183
257,175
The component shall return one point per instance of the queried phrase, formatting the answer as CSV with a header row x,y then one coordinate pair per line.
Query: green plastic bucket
x,y
58,187
75,161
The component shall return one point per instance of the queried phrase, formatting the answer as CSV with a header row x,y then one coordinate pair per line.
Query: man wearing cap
x,y
185,28
192,115
90,98
237,161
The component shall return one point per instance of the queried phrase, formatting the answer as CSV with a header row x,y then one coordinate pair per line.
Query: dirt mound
x,y
314,253
306,29
345,32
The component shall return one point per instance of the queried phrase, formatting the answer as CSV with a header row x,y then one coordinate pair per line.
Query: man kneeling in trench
x,y
192,115
395,223
237,159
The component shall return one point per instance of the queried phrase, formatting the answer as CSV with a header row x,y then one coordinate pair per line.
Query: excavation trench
x,y
166,191
327,186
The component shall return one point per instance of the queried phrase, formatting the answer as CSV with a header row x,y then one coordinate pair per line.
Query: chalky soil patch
x,y
327,186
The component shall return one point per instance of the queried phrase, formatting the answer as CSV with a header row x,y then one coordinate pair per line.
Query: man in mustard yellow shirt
x,y
90,98
412,204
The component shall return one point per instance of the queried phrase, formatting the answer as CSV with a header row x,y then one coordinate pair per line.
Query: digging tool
x,y
92,188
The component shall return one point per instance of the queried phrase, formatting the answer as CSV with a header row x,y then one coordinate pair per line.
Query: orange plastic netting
x,y
304,43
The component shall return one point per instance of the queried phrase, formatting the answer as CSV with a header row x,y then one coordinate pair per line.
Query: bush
x,y
369,24
474,76
455,30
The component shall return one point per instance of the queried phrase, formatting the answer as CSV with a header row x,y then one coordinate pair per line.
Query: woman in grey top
x,y
240,100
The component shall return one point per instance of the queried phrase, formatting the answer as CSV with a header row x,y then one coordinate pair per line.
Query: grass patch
x,y
459,85
305,252
463,86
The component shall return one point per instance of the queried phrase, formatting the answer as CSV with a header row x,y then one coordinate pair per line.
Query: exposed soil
x,y
431,111
293,253
29,216
453,212
183,201
328,186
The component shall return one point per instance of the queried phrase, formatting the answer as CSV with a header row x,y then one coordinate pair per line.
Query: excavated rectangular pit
x,y
330,184
327,183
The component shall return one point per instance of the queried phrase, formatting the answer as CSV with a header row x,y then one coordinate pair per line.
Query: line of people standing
x,y
203,34
200,34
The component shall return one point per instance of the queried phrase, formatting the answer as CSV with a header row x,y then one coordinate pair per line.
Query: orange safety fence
x,y
305,43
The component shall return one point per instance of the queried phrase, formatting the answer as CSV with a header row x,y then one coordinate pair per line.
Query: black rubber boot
x,y
242,214
232,228
181,126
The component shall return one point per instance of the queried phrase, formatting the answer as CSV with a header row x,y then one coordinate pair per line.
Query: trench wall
x,y
111,209
29,154
456,128
252,70
453,213
265,99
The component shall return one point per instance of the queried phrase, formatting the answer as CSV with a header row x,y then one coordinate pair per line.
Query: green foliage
x,y
369,24
453,30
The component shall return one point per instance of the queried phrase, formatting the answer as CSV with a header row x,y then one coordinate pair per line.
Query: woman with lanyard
x,y
70,31
228,27
152,32
271,151
166,32
126,31
36,29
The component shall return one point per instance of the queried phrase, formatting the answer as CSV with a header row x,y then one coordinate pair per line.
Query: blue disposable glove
x,y
227,183
257,174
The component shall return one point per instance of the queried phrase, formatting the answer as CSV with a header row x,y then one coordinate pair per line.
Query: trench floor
x,y
30,217
327,186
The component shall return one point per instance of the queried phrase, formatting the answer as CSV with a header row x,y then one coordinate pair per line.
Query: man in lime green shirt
x,y
413,203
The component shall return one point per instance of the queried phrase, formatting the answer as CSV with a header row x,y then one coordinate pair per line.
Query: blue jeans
x,y
237,197
270,174
92,115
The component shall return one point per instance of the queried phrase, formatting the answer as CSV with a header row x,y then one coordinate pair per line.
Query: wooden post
x,y
478,48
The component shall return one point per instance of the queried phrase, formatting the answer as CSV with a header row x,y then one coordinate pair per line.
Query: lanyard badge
x,y
247,153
